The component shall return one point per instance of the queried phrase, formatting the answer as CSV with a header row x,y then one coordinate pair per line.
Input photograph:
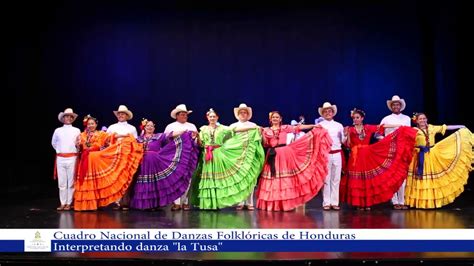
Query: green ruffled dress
x,y
231,174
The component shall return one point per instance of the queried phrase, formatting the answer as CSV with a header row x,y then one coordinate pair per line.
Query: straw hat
x,y
242,106
179,108
67,111
124,109
396,98
327,105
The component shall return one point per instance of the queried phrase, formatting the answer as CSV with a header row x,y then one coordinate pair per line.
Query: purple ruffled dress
x,y
165,171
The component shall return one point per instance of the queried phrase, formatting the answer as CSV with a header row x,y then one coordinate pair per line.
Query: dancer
x,y
293,174
167,165
228,170
180,113
106,167
438,172
397,105
63,142
125,134
243,114
336,156
375,171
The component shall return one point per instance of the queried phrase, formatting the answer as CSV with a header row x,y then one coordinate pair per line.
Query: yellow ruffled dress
x,y
446,168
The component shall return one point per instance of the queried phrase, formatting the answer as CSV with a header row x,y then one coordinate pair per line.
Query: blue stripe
x,y
12,245
268,245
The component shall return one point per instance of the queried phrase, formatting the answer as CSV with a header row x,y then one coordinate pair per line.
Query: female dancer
x,y
104,174
375,171
168,163
293,174
438,172
228,170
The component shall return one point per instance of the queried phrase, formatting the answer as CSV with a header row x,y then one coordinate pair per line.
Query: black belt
x,y
271,158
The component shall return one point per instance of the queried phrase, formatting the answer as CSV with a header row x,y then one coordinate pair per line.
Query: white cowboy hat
x,y
179,108
243,106
67,111
124,109
325,106
396,98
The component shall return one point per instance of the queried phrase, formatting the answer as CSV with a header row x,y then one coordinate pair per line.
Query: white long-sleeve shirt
x,y
177,126
245,124
336,132
394,119
64,139
123,128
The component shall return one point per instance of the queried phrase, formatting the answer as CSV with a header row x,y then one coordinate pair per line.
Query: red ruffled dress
x,y
376,171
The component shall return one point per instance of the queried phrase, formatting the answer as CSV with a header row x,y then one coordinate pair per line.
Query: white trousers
x,y
399,196
332,180
125,199
184,198
65,168
248,201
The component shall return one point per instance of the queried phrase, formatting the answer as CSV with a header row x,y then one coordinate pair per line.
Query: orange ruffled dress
x,y
104,175
299,168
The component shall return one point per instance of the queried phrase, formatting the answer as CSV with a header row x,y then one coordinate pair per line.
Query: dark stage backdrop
x,y
288,56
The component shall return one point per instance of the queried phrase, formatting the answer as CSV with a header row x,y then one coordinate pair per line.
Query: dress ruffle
x,y
375,172
165,172
109,174
230,177
446,170
300,171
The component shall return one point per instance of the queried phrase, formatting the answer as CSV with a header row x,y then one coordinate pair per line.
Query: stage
x,y
41,214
